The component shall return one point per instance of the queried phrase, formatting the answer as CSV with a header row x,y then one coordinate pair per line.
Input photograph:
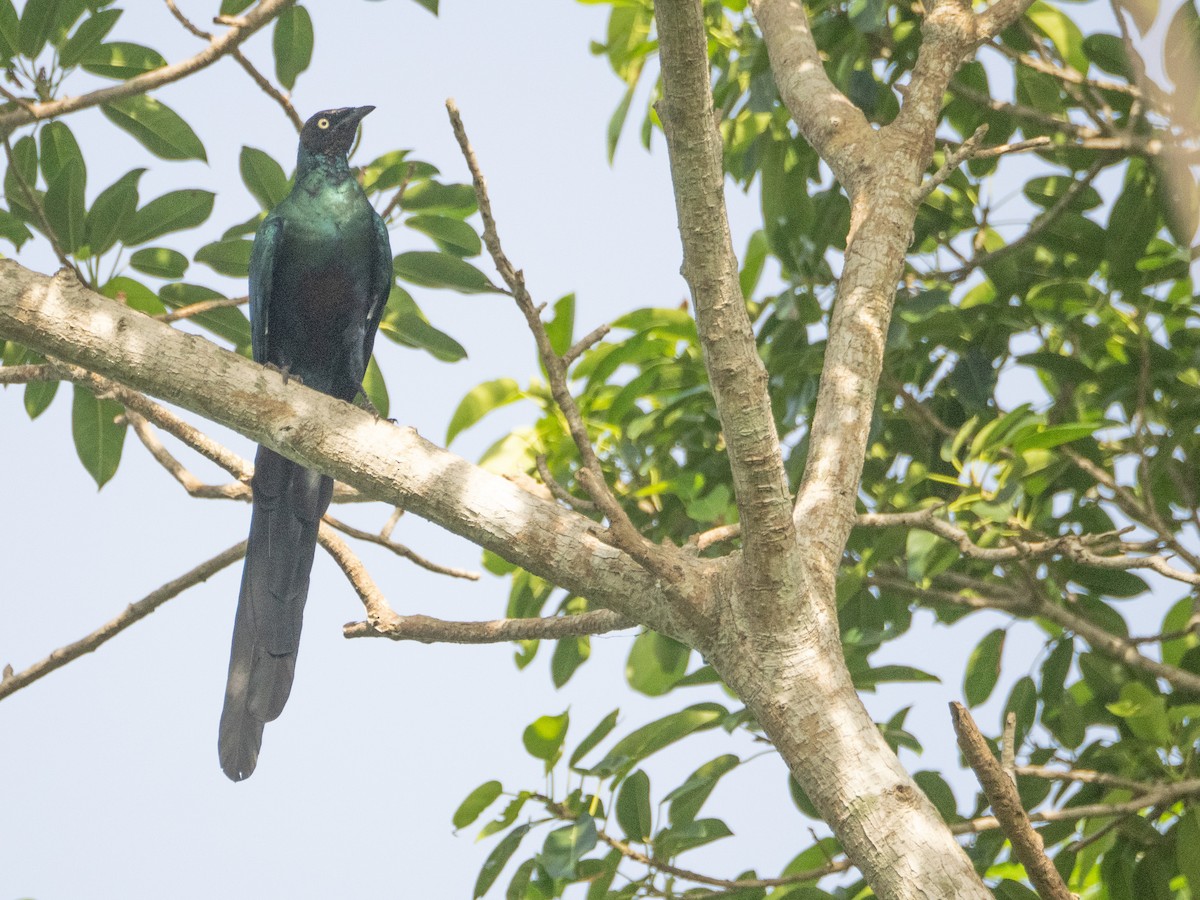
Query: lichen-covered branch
x,y
735,370
63,320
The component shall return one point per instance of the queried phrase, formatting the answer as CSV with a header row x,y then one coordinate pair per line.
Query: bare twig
x,y
1008,747
261,80
582,345
577,503
236,490
428,630
384,540
219,46
561,812
1040,224
954,159
998,16
1002,793
133,613
591,477
713,536
398,197
27,374
195,309
977,594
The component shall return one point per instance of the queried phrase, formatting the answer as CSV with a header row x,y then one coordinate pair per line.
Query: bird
x,y
320,275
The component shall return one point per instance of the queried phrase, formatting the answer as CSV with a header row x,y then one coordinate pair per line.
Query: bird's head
x,y
331,131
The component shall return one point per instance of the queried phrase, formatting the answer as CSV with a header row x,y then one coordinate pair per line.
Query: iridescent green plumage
x,y
320,274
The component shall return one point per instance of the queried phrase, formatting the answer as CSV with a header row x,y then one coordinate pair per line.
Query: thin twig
x,y
582,345
1002,793
261,80
428,630
591,477
236,490
1040,224
222,45
398,197
954,159
133,613
1008,746
196,309
579,504
401,550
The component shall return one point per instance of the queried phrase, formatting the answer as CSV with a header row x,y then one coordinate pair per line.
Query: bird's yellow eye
x,y
322,124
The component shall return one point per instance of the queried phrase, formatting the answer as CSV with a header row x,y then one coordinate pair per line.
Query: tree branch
x,y
1006,804
261,80
60,318
384,540
735,369
133,613
222,45
834,126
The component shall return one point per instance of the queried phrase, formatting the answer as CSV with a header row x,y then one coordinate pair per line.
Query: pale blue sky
x,y
109,781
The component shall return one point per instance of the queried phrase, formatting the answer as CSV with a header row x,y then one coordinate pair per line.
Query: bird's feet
x,y
285,372
362,401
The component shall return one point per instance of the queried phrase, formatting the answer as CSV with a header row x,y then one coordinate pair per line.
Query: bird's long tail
x,y
289,501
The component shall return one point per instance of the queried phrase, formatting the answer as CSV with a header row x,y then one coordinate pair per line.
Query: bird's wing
x,y
262,272
381,284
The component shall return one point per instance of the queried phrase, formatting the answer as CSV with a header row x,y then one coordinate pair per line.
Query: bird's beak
x,y
355,115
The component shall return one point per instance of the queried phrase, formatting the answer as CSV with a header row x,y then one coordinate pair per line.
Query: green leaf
x,y
866,679
544,738
655,663
675,840
1064,33
595,736
36,21
156,127
565,846
651,738
1145,712
506,818
98,438
87,37
230,258
928,555
122,60
1056,435
441,270
175,211
59,149
451,235
375,388
65,208
160,262
13,229
432,196
21,174
561,326
633,807
479,401
264,178
518,886
431,5
983,668
133,294
10,30
687,799
404,323
293,44
235,7
753,262
477,801
616,124
497,859
111,211
1187,839
569,654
